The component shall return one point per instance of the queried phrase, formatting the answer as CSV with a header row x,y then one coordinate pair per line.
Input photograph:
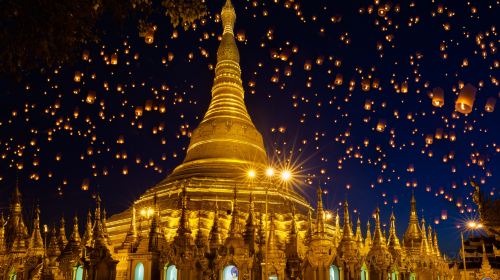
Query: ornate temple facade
x,y
208,220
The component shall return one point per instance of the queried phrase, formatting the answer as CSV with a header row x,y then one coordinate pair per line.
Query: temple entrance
x,y
334,272
139,272
170,272
79,273
364,272
230,272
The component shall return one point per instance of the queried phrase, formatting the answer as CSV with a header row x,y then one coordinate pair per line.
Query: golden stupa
x,y
222,149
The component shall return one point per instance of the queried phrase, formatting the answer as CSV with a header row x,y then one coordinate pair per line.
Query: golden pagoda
x,y
222,214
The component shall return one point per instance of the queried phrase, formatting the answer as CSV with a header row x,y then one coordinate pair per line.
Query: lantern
x,y
490,104
444,215
149,36
78,76
381,125
339,79
404,87
138,111
465,100
114,59
368,105
90,97
429,139
85,55
85,184
307,65
438,97
365,84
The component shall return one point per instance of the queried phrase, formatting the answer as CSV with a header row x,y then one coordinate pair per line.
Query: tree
x,y
46,33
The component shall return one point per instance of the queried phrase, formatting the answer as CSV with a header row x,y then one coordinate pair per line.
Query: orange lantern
x,y
466,98
490,105
438,97
114,59
381,125
90,97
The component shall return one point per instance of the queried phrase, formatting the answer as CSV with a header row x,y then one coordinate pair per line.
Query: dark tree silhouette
x,y
45,33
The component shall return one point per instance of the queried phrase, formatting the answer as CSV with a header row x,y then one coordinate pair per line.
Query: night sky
x,y
56,140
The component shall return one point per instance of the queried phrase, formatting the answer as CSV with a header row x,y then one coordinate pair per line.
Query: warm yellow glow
x,y
286,175
251,174
474,225
269,172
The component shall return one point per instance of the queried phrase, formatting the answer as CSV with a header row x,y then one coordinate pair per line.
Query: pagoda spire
x,y
249,234
425,243
359,235
320,213
429,239
87,235
201,240
234,227
485,263
436,246
3,245
413,235
347,222
61,238
184,228
226,122
53,250
368,239
131,237
75,234
36,241
272,234
393,238
337,224
310,229
215,239
155,234
378,239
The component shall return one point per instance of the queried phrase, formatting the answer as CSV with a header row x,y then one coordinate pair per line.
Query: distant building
x,y
482,258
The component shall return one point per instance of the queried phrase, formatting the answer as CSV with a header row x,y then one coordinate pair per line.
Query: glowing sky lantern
x,y
465,100
438,97
490,105
114,59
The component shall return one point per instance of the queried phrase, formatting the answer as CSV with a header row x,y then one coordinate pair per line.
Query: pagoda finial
x,y
436,246
368,239
393,238
378,237
215,239
75,234
320,213
36,241
249,234
347,222
234,227
62,239
359,236
228,18
184,227
226,139
3,245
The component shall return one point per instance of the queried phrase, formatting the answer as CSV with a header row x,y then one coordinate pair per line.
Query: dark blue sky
x,y
324,125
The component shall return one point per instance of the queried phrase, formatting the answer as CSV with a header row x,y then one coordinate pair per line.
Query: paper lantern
x,y
490,104
381,125
114,59
85,55
90,97
365,84
465,100
339,79
438,97
429,139
78,76
368,105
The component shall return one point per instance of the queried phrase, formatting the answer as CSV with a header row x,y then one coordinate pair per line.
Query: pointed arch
x,y
230,272
334,272
139,271
79,273
170,272
364,272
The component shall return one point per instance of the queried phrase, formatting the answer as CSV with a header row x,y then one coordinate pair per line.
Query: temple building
x,y
224,213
